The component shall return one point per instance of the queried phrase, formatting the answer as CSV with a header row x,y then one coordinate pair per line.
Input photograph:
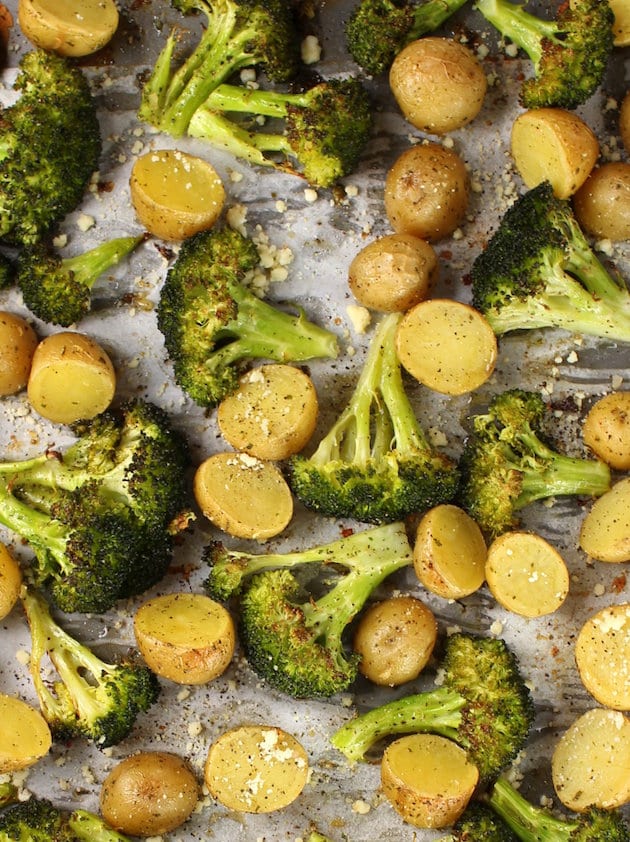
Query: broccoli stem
x,y
89,827
581,261
266,103
562,475
42,532
89,266
529,823
436,711
526,30
225,134
430,15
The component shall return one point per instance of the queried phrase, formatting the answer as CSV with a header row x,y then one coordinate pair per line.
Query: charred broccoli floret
x,y
91,698
569,53
58,289
479,823
375,464
538,270
291,636
483,704
38,820
506,463
212,323
50,145
238,33
7,271
377,30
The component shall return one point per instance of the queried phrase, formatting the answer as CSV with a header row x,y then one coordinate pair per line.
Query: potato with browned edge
x,y
606,430
426,192
394,639
605,531
602,655
602,204
10,581
17,346
149,793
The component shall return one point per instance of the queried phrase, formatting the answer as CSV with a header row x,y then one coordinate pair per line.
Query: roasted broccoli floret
x,y
8,793
7,271
50,145
483,704
100,517
535,824
238,33
479,823
38,820
324,132
569,54
212,323
375,464
538,270
377,30
506,463
292,637
91,698
58,289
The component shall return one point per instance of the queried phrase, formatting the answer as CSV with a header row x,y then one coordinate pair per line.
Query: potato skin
x,y
438,84
426,192
606,430
18,342
10,581
602,204
149,793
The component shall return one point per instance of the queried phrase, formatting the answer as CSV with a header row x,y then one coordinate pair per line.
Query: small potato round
x,y
272,414
395,639
606,430
149,793
428,779
624,119
526,575
24,734
17,346
175,195
393,273
446,345
554,145
243,495
185,637
590,765
426,192
256,769
605,531
10,581
602,655
438,83
449,553
602,204
621,24
72,378
68,27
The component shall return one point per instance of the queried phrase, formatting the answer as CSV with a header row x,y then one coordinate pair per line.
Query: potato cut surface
x,y
24,734
69,27
602,654
10,581
605,532
606,430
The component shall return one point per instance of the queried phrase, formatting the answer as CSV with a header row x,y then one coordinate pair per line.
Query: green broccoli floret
x,y
325,128
291,636
7,271
38,820
58,290
239,33
375,463
569,53
100,517
50,145
377,30
92,698
479,823
506,463
8,793
483,704
535,824
212,323
538,270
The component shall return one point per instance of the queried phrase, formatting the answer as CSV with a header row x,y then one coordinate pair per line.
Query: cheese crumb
x,y
85,222
359,316
311,50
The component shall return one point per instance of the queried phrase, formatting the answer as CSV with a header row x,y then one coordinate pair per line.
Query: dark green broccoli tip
x,y
377,30
58,290
238,33
535,824
50,145
213,324
290,638
35,820
375,464
479,823
538,270
569,54
7,271
91,698
506,464
8,793
483,705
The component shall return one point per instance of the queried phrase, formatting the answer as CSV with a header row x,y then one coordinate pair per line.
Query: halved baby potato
x,y
602,655
605,531
24,734
68,27
621,24
602,204
10,581
17,346
606,430
175,195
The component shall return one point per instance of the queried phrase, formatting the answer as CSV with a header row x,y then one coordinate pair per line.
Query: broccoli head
x,y
506,463
538,270
569,53
375,464
238,34
50,145
58,290
7,271
479,823
93,699
212,323
38,820
483,705
292,637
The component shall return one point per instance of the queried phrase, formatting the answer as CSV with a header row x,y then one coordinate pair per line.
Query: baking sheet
x,y
323,235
